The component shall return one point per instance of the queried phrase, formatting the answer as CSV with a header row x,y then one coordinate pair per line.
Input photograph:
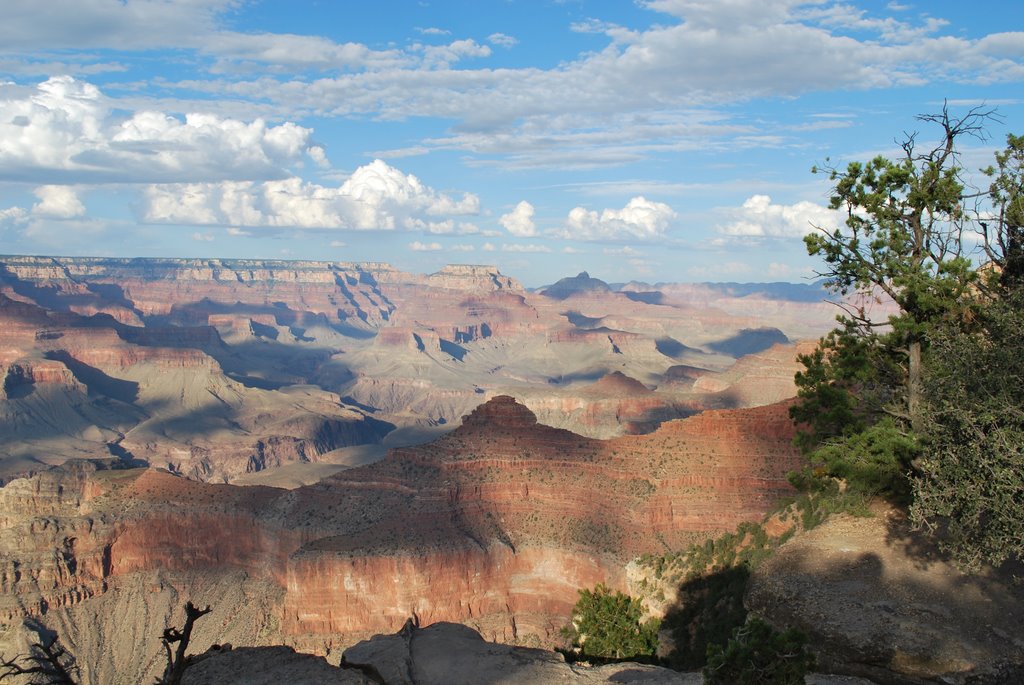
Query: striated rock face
x,y
508,594
495,525
77,387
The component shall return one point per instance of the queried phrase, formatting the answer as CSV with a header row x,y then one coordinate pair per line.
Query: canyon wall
x,y
496,524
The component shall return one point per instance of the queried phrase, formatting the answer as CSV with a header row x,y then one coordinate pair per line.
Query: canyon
x,y
494,525
220,369
450,447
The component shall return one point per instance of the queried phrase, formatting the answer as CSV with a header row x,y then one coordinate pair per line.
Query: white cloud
x,y
487,247
202,237
531,248
375,197
140,24
702,54
285,52
519,222
13,215
337,243
626,251
57,202
571,250
235,231
147,25
717,53
462,248
67,130
443,56
502,40
417,246
760,218
640,219
433,31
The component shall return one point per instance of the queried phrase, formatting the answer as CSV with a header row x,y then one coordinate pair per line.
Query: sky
x,y
655,140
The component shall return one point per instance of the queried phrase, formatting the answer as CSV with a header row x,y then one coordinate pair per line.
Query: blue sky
x,y
657,140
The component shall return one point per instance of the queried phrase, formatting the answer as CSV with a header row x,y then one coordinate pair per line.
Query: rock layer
x,y
495,525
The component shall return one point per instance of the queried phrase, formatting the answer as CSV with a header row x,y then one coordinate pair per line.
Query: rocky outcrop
x,y
756,379
269,666
451,654
580,284
877,600
440,654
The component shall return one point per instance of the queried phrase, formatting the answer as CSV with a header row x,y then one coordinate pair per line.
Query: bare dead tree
x,y
177,659
48,663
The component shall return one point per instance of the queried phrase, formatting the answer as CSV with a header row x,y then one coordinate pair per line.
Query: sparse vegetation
x,y
757,654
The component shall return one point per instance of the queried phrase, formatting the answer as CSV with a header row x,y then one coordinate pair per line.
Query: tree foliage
x,y
902,237
1002,232
610,625
971,476
927,402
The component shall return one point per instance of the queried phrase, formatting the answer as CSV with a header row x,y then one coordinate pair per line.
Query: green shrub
x,y
609,625
757,654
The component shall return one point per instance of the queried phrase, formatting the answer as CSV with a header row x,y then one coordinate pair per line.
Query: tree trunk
x,y
914,384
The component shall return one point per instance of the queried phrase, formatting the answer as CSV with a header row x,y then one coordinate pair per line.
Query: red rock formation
x,y
495,524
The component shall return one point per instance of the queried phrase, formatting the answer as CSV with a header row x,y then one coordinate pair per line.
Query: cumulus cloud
x,y
759,217
519,222
417,246
67,130
57,202
462,247
375,197
640,219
